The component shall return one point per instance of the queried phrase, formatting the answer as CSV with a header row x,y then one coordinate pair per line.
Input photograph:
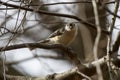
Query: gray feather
x,y
57,33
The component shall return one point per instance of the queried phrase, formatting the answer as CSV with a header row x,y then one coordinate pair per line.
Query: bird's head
x,y
70,26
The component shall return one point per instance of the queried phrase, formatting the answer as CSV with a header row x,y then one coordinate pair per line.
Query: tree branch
x,y
88,70
92,26
68,52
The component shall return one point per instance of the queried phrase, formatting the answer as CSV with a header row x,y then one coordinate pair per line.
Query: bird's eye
x,y
71,25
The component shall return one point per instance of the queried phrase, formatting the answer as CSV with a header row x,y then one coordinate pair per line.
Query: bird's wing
x,y
57,33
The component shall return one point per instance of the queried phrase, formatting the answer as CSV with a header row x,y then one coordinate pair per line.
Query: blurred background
x,y
21,26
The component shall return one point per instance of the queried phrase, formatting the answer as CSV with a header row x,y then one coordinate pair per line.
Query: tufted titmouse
x,y
64,35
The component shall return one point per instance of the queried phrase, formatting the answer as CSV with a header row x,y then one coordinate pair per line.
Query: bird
x,y
64,35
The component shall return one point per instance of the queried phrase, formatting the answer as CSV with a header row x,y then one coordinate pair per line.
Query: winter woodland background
x,y
93,55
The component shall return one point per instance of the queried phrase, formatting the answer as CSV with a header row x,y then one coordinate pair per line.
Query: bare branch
x,y
111,12
88,69
54,14
68,52
97,39
77,2
110,36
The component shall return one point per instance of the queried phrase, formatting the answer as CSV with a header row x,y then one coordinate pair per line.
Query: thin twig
x,y
78,2
85,76
111,12
95,48
4,60
92,26
75,2
109,48
87,70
